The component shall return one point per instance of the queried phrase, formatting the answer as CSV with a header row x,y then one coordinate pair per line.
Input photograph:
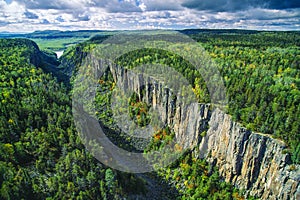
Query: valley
x,y
247,149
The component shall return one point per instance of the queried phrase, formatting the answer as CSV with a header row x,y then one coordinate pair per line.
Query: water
x,y
59,53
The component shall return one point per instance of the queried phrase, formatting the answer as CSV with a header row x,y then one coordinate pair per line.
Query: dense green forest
x,y
262,78
261,74
193,178
42,156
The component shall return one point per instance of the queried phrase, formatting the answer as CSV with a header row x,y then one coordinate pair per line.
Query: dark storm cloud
x,y
283,4
30,15
237,5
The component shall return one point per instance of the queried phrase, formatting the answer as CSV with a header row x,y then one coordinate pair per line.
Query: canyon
x,y
251,161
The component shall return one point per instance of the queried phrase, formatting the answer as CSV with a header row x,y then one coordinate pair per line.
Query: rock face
x,y
70,61
248,160
187,120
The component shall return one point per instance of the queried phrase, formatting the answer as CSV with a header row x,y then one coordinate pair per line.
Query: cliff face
x,y
47,62
248,160
72,59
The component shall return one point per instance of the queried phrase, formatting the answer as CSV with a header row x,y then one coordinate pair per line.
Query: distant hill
x,y
51,34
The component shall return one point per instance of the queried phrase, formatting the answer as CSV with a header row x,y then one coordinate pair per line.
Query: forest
x,y
261,75
42,156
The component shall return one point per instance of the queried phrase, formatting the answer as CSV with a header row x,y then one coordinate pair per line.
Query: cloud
x,y
3,23
30,15
67,5
162,5
283,4
237,5
45,21
12,12
217,5
83,17
53,4
111,6
269,14
115,6
60,19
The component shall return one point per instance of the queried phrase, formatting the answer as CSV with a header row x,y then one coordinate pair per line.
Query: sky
x,y
32,15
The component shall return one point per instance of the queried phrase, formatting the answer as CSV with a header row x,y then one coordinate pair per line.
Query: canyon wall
x,y
249,160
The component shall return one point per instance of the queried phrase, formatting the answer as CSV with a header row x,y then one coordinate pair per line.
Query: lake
x,y
59,53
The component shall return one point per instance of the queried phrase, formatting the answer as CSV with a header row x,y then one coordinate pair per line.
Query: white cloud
x,y
24,15
143,7
12,10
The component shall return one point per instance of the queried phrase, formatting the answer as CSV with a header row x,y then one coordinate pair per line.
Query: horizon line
x,y
174,29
